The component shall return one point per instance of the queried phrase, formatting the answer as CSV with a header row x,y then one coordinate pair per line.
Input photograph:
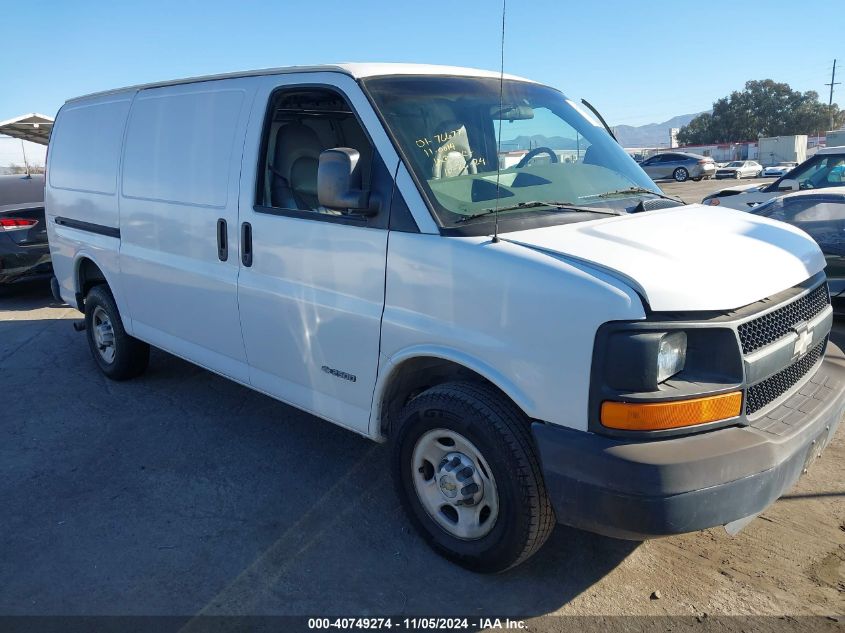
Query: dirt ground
x,y
181,493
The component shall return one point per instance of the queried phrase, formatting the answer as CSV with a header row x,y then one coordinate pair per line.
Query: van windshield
x,y
551,148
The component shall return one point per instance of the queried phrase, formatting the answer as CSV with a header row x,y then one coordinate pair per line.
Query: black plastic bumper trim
x,y
642,489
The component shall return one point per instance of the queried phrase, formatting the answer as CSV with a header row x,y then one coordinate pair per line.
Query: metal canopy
x,y
29,127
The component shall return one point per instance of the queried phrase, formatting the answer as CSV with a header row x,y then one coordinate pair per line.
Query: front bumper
x,y
642,489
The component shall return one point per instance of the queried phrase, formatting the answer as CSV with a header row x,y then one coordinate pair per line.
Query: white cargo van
x,y
342,238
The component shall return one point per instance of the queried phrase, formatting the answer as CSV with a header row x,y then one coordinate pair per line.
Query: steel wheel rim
x,y
465,504
103,332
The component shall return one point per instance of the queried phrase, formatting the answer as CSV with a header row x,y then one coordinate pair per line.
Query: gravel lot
x,y
182,493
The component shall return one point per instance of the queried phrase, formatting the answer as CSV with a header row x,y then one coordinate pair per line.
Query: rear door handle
x,y
246,244
222,240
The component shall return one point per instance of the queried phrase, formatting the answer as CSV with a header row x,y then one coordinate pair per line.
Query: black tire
x,y
698,179
501,433
680,174
131,356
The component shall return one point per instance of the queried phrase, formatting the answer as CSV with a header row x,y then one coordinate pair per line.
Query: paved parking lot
x,y
690,191
182,493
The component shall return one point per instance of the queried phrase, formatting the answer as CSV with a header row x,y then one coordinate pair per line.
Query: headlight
x,y
658,376
640,361
671,355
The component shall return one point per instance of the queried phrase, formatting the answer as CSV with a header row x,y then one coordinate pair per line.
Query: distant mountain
x,y
651,135
538,140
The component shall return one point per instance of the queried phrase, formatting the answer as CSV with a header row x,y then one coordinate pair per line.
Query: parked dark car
x,y
820,214
24,252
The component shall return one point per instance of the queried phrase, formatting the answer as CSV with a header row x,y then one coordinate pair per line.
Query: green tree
x,y
763,108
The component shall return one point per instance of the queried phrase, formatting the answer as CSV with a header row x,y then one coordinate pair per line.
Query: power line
x,y
832,83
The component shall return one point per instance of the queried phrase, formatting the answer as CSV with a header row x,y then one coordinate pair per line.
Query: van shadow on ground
x,y
27,295
184,493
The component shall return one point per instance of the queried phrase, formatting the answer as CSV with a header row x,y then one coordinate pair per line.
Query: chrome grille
x,y
771,388
770,327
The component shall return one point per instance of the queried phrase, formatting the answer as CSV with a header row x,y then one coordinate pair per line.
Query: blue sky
x,y
638,62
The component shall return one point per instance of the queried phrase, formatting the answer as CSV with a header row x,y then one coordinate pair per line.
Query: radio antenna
x,y
499,140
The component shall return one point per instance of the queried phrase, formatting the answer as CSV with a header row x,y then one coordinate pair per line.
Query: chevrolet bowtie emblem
x,y
805,338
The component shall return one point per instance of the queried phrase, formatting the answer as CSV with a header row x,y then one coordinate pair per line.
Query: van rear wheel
x,y
118,355
469,478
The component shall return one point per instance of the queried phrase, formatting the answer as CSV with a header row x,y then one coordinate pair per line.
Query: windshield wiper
x,y
619,192
560,206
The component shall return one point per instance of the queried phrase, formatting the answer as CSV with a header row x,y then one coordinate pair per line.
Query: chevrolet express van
x,y
449,261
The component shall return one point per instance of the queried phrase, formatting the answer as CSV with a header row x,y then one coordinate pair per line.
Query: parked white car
x,y
740,169
341,238
778,170
826,168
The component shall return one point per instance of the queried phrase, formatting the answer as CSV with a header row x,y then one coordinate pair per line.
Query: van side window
x,y
300,124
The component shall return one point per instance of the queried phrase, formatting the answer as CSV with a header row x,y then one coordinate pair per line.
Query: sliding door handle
x,y
246,244
222,240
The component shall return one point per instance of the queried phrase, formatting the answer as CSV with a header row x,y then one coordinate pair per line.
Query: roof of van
x,y
355,70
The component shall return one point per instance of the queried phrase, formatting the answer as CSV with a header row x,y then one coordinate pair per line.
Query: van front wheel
x,y
469,478
118,355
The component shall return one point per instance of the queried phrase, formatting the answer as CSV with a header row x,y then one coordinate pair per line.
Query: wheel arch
x,y
87,273
415,370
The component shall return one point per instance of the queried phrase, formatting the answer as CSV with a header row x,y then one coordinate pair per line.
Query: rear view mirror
x,y
339,182
788,185
512,112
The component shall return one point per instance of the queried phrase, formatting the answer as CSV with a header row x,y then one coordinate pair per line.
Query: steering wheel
x,y
534,152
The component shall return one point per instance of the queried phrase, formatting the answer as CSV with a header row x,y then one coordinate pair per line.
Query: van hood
x,y
687,258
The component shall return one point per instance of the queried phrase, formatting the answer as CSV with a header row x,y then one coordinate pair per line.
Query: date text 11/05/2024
x,y
414,624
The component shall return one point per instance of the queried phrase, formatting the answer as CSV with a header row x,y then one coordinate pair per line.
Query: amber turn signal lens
x,y
657,416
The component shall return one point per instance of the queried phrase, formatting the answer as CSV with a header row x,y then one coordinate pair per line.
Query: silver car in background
x,y
681,166
740,169
778,170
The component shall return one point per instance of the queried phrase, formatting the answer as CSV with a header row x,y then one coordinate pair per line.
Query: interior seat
x,y
294,169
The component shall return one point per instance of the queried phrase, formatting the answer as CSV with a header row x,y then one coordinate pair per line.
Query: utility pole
x,y
25,161
832,83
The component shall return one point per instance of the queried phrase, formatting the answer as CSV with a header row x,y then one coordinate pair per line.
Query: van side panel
x,y
488,306
311,302
81,190
181,165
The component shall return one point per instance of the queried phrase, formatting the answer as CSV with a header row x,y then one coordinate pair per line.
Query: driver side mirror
x,y
788,184
339,182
